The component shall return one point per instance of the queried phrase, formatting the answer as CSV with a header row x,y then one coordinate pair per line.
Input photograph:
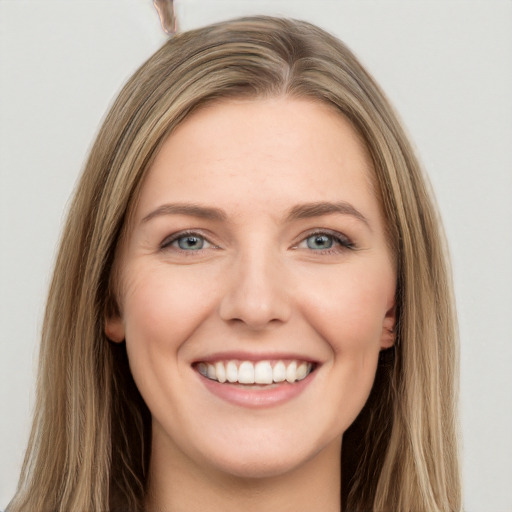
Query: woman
x,y
251,305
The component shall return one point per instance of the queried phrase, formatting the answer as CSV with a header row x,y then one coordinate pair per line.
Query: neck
x,y
176,485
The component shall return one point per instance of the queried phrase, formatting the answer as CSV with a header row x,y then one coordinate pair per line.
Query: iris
x,y
320,242
190,242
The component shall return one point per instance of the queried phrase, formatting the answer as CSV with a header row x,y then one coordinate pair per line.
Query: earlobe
x,y
114,328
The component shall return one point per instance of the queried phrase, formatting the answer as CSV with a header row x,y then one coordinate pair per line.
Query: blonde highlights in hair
x,y
90,442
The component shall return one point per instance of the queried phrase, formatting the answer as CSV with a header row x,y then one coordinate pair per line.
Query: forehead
x,y
262,151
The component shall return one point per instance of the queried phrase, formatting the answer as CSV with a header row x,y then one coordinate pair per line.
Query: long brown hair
x,y
90,441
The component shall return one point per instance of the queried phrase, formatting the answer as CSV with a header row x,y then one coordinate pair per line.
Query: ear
x,y
388,337
114,328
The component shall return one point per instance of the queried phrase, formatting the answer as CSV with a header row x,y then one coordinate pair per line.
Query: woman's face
x,y
257,251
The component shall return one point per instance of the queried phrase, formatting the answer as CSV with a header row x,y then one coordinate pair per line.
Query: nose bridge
x,y
256,294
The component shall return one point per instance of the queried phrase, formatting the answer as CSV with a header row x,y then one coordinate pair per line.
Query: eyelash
x,y
340,242
167,243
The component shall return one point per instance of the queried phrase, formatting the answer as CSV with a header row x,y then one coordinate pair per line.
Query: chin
x,y
261,461
259,467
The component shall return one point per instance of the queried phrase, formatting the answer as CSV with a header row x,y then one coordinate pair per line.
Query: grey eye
x,y
320,241
190,243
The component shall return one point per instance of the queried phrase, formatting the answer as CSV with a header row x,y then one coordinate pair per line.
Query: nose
x,y
256,294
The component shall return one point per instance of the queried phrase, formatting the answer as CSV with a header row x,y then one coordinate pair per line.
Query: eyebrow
x,y
301,211
193,210
308,210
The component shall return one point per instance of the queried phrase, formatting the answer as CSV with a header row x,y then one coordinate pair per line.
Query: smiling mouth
x,y
261,372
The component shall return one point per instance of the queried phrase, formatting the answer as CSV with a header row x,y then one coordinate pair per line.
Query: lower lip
x,y
257,397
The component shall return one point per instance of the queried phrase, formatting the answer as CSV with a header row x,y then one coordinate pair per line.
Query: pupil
x,y
320,242
190,242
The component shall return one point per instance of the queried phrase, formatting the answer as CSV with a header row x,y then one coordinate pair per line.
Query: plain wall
x,y
446,66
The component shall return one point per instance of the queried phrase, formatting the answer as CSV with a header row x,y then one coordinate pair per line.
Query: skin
x,y
260,284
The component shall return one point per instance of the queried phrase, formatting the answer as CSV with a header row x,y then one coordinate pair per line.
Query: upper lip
x,y
254,356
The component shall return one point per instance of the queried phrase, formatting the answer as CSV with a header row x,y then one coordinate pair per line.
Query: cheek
x,y
350,310
349,319
162,309
349,314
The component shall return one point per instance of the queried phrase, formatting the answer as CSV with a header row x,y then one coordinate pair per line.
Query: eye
x,y
320,241
189,242
326,241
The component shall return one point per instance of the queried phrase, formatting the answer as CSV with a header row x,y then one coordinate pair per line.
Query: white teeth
x,y
262,372
302,371
220,372
279,372
211,372
246,373
232,372
291,372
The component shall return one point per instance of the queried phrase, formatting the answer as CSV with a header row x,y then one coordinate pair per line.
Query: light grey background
x,y
446,65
